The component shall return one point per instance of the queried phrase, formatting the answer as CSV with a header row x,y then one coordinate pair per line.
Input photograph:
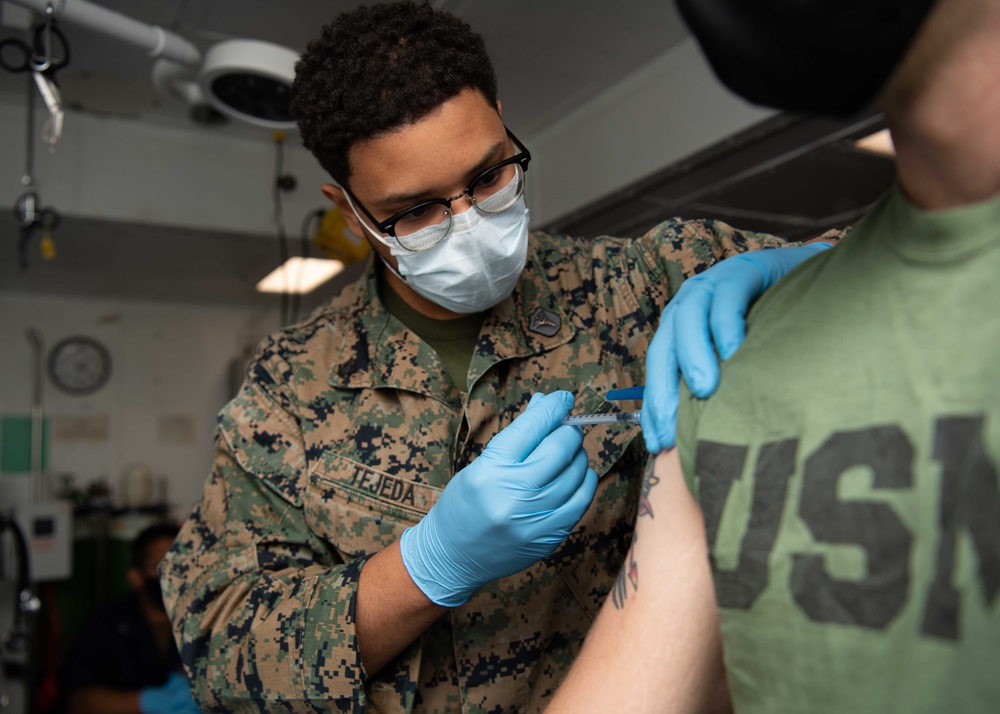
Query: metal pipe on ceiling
x,y
154,40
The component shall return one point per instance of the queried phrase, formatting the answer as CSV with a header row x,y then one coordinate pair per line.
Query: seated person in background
x,y
836,545
124,660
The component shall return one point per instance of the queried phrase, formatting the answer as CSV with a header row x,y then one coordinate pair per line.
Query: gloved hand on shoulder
x,y
174,697
506,510
708,314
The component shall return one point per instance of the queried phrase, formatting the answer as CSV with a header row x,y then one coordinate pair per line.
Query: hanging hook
x,y
46,58
52,129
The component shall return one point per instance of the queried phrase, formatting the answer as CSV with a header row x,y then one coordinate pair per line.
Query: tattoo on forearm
x,y
628,578
649,479
629,575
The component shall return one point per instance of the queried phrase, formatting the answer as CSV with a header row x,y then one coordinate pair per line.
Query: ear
x,y
135,578
500,108
336,195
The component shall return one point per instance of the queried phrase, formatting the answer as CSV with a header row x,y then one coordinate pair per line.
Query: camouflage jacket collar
x,y
377,350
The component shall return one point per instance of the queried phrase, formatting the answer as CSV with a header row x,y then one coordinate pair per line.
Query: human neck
x,y
942,110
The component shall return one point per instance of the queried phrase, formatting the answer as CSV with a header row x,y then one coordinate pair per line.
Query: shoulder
x,y
600,278
607,256
298,357
790,291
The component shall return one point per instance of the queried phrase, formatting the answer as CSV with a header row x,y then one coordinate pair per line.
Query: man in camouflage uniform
x,y
288,587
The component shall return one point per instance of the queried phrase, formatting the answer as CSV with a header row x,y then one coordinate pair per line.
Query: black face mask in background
x,y
808,56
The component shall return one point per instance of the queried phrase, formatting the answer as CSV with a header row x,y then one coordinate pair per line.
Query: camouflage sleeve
x,y
677,249
262,608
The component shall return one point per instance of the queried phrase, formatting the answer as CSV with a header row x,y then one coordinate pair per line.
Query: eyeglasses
x,y
428,223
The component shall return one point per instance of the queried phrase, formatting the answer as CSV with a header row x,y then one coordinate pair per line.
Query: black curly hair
x,y
375,69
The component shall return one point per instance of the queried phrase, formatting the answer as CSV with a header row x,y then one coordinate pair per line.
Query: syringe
x,y
611,418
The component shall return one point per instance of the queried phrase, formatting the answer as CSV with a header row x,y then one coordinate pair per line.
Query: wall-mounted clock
x,y
79,365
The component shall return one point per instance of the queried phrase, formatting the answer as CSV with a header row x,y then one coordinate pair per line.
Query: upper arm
x,y
655,645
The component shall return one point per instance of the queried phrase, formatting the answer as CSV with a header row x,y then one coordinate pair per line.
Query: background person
x,y
124,660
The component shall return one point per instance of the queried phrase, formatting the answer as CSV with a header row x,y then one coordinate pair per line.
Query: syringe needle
x,y
612,418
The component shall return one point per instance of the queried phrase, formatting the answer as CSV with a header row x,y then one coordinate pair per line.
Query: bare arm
x,y
392,610
655,645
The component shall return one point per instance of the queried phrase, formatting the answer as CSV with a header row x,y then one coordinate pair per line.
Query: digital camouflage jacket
x,y
345,432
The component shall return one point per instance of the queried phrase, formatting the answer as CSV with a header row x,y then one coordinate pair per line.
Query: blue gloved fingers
x,y
564,481
535,397
553,454
775,263
733,297
693,339
528,430
659,404
727,321
573,509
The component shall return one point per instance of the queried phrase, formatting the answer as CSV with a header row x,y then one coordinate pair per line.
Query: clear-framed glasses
x,y
428,223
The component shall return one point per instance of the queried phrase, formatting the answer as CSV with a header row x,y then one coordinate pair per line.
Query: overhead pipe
x,y
249,80
177,59
154,40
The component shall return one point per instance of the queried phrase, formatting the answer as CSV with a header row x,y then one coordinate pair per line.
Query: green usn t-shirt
x,y
847,473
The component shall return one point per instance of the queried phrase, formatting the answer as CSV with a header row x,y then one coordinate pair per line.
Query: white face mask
x,y
475,266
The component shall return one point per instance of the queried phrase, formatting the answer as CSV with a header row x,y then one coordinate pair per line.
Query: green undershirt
x,y
454,340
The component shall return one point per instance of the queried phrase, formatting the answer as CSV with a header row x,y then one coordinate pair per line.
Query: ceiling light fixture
x,y
299,275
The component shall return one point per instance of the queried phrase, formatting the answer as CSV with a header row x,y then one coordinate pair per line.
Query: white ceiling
x,y
551,56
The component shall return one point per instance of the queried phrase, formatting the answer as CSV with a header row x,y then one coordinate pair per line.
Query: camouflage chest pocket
x,y
360,510
590,559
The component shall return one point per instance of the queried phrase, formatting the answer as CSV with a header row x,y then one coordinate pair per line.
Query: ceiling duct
x,y
790,175
247,80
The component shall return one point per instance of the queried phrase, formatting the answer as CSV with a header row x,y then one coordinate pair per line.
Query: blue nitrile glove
x,y
709,308
506,510
174,697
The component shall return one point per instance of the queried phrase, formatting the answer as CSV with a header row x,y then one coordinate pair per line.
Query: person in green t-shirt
x,y
826,536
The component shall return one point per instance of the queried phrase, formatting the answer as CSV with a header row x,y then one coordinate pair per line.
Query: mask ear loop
x,y
380,238
377,236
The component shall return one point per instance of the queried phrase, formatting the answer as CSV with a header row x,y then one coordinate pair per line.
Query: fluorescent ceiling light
x,y
299,275
878,143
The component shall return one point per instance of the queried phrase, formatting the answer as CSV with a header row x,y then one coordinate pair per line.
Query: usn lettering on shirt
x,y
383,486
968,501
